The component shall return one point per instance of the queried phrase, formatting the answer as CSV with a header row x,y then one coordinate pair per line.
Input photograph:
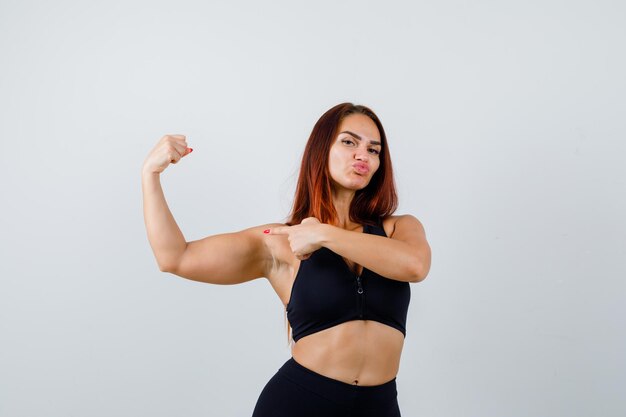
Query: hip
x,y
297,390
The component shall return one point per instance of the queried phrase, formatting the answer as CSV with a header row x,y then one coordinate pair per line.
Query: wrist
x,y
326,234
149,174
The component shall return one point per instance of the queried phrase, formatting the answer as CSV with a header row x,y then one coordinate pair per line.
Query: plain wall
x,y
506,128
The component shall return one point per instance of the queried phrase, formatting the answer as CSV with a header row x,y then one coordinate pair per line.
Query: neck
x,y
341,201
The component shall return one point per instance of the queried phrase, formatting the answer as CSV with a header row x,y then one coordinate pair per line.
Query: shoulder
x,y
267,247
256,232
399,224
276,246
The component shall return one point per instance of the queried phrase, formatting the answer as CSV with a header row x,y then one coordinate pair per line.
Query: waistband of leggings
x,y
335,390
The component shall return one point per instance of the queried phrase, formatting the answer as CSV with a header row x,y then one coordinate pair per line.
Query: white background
x,y
506,129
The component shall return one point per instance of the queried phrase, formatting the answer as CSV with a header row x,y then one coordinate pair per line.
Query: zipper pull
x,y
358,281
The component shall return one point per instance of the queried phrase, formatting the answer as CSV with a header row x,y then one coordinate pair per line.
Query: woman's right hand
x,y
169,150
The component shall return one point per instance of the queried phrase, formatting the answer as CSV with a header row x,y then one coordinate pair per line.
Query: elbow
x,y
416,278
167,268
421,266
418,273
170,264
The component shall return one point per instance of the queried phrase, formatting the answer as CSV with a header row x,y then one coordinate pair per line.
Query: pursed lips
x,y
361,168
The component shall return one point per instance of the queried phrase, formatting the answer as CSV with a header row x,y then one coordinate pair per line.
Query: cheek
x,y
332,162
334,158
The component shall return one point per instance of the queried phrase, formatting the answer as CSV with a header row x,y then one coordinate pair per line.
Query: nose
x,y
361,154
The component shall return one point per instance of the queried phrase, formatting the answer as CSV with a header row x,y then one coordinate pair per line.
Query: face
x,y
354,156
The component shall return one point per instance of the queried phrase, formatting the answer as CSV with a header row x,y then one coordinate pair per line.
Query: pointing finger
x,y
281,230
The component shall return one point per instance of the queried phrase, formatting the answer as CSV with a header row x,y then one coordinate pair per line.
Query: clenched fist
x,y
169,150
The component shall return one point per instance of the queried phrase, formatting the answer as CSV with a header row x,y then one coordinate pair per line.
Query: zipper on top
x,y
360,288
360,292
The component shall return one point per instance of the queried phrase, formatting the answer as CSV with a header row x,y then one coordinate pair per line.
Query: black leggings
x,y
296,391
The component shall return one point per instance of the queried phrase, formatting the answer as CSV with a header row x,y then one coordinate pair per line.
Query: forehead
x,y
362,125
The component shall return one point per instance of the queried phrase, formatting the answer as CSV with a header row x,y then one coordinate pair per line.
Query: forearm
x,y
166,239
387,257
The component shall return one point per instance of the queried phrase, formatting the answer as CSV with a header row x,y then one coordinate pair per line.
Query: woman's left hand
x,y
303,238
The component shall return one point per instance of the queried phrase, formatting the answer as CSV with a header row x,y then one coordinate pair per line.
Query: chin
x,y
359,186
351,184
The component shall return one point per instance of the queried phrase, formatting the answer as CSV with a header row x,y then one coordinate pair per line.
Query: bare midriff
x,y
359,352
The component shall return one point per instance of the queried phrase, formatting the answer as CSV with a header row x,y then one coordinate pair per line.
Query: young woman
x,y
341,266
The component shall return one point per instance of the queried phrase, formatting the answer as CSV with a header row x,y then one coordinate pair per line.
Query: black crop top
x,y
326,293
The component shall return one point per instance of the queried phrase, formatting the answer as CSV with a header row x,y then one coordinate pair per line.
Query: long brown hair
x,y
313,197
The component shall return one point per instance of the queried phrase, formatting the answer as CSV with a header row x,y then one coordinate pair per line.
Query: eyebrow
x,y
372,142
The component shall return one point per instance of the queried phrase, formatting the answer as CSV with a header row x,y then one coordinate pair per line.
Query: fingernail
x,y
266,231
190,150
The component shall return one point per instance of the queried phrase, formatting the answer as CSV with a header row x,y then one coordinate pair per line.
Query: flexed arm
x,y
166,239
227,258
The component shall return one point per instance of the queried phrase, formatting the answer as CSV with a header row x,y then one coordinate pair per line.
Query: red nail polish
x,y
190,150
266,231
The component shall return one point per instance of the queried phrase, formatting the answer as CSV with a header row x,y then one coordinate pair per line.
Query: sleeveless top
x,y
326,293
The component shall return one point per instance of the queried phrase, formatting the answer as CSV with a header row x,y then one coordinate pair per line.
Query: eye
x,y
346,141
376,151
